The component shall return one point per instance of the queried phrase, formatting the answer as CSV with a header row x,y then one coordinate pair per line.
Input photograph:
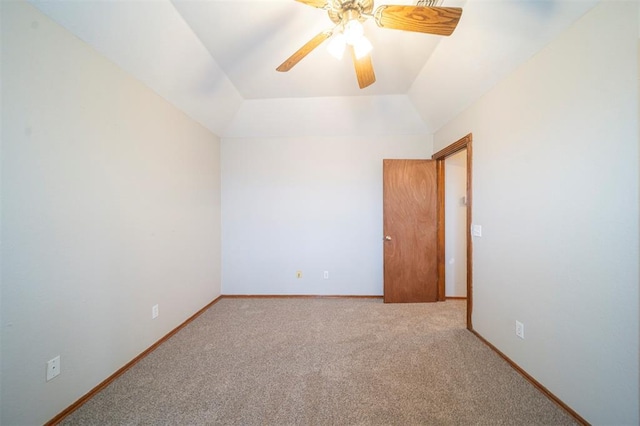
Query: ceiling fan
x,y
348,15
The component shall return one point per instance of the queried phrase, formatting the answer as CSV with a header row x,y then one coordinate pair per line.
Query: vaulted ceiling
x,y
216,59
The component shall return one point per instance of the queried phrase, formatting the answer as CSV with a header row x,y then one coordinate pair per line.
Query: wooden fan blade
x,y
364,70
303,51
430,20
320,4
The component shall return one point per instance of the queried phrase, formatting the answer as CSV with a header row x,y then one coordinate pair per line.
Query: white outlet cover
x,y
520,329
154,312
53,368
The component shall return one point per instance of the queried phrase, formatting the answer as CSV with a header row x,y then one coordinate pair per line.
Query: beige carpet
x,y
322,362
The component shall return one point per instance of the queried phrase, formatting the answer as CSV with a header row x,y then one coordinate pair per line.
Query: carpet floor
x,y
322,362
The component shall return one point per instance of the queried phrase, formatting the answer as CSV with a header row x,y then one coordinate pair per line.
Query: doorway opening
x,y
462,145
455,225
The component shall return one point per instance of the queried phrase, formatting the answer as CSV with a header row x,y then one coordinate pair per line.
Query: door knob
x,y
387,238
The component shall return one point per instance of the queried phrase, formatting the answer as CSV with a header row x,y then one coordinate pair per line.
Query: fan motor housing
x,y
338,9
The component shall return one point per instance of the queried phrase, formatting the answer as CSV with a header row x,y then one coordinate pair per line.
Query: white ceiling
x,y
209,57
249,39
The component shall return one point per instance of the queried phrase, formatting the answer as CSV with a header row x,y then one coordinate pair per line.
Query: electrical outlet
x,y
520,329
299,274
154,312
326,275
53,368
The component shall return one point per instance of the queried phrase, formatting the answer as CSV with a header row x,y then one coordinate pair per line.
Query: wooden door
x,y
410,231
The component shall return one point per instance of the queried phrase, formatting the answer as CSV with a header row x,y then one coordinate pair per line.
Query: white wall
x,y
1,137
110,204
555,184
390,115
310,204
455,242
154,44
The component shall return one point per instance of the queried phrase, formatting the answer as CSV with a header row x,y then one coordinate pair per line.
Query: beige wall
x,y
309,204
110,204
555,183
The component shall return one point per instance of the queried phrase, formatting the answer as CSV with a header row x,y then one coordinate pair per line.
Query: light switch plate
x,y
476,230
519,329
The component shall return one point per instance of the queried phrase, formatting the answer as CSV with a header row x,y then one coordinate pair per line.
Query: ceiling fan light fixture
x,y
337,45
362,47
353,31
